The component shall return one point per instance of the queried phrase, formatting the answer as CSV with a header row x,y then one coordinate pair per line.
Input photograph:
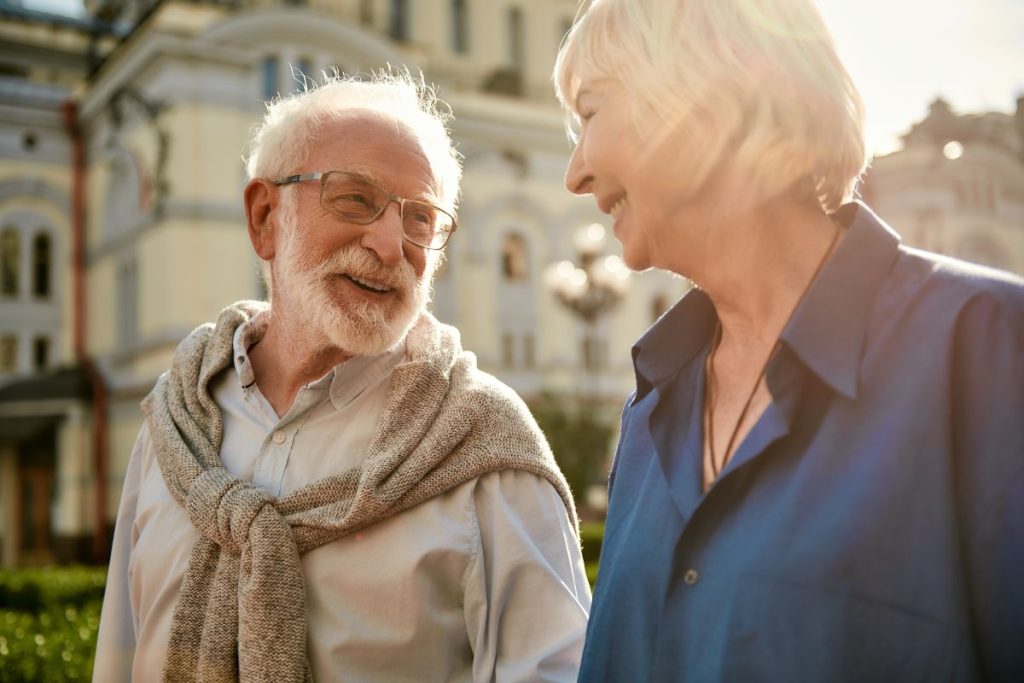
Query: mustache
x,y
364,263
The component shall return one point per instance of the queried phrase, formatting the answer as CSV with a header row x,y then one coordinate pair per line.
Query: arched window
x,y
8,353
399,20
269,69
514,260
460,27
41,258
40,353
514,37
659,304
10,262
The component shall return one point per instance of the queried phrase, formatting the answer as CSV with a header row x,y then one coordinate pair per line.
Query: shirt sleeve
x,y
988,431
115,644
526,594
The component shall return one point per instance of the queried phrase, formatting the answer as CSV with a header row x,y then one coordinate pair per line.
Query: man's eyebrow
x,y
430,196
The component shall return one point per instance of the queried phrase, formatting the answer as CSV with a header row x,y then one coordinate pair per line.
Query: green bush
x,y
579,439
49,619
591,535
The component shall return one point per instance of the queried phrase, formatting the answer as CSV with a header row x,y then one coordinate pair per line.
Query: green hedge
x,y
591,535
48,623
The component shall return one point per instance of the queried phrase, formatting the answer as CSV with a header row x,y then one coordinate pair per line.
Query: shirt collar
x,y
828,328
673,340
347,380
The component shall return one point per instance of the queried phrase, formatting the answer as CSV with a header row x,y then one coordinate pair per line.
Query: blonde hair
x,y
281,142
758,82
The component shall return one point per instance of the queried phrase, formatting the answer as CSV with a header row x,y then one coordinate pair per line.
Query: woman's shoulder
x,y
925,285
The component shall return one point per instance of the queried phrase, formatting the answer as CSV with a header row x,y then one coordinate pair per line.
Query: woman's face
x,y
635,178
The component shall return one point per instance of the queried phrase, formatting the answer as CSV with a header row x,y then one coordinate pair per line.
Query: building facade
x,y
122,227
957,186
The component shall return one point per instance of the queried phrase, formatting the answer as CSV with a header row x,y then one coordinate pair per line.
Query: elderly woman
x,y
821,472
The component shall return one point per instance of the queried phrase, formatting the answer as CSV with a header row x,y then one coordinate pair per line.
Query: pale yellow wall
x,y
189,272
206,151
73,513
101,323
57,175
123,427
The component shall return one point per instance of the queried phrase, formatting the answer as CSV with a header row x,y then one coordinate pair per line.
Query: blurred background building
x,y
122,228
957,186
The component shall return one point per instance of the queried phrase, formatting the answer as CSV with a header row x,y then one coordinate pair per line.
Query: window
x,y
41,265
514,28
593,352
398,27
460,27
529,358
10,262
659,304
303,70
508,351
8,353
40,353
270,71
127,303
514,261
565,27
366,12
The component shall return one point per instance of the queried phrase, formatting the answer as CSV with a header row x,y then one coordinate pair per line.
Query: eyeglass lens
x,y
357,200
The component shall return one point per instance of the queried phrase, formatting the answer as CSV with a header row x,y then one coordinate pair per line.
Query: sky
x,y
903,54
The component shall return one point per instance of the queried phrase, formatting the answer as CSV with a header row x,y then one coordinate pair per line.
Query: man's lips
x,y
367,284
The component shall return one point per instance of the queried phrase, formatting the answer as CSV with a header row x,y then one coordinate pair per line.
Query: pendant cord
x,y
716,340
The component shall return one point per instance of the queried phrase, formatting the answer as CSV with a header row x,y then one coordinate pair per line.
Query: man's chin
x,y
360,337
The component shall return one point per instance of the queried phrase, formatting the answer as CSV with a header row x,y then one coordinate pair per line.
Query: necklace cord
x,y
716,340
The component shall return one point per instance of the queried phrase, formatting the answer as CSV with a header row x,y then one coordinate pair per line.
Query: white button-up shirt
x,y
483,583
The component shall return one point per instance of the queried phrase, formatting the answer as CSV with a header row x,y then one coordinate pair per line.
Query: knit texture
x,y
241,613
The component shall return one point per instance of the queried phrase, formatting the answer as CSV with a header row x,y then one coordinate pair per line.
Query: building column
x,y
9,505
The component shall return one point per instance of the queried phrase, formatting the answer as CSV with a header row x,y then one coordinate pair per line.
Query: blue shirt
x,y
871,525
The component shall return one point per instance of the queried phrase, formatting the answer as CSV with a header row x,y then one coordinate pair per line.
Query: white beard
x,y
359,328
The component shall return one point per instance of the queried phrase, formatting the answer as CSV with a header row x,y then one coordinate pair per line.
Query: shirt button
x,y
691,577
279,437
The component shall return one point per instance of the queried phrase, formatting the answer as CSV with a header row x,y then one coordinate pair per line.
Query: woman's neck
x,y
761,267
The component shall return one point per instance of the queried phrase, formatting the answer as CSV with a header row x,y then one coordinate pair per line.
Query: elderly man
x,y
327,487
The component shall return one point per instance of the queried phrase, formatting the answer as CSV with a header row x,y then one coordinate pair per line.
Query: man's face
x,y
358,287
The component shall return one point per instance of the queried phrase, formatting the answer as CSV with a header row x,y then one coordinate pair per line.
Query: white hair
x,y
760,79
281,142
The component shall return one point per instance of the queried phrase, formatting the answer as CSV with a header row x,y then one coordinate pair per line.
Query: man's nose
x,y
578,179
386,236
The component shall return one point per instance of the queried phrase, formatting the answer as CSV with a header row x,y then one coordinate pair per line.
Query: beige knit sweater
x,y
241,613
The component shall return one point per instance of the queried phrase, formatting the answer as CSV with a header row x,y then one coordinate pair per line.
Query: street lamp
x,y
593,287
589,289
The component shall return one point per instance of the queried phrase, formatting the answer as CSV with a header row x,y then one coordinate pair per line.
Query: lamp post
x,y
589,289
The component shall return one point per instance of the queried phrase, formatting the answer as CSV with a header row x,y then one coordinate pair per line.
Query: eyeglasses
x,y
359,200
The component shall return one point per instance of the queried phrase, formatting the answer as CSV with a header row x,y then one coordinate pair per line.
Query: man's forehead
x,y
376,146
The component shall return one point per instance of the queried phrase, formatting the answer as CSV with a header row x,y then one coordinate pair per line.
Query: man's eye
x,y
355,197
424,216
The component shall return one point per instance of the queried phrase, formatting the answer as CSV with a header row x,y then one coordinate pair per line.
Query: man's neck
x,y
287,358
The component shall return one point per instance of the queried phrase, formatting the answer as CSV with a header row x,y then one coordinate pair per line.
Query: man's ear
x,y
261,200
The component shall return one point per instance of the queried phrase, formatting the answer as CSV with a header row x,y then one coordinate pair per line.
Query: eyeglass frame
x,y
391,197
